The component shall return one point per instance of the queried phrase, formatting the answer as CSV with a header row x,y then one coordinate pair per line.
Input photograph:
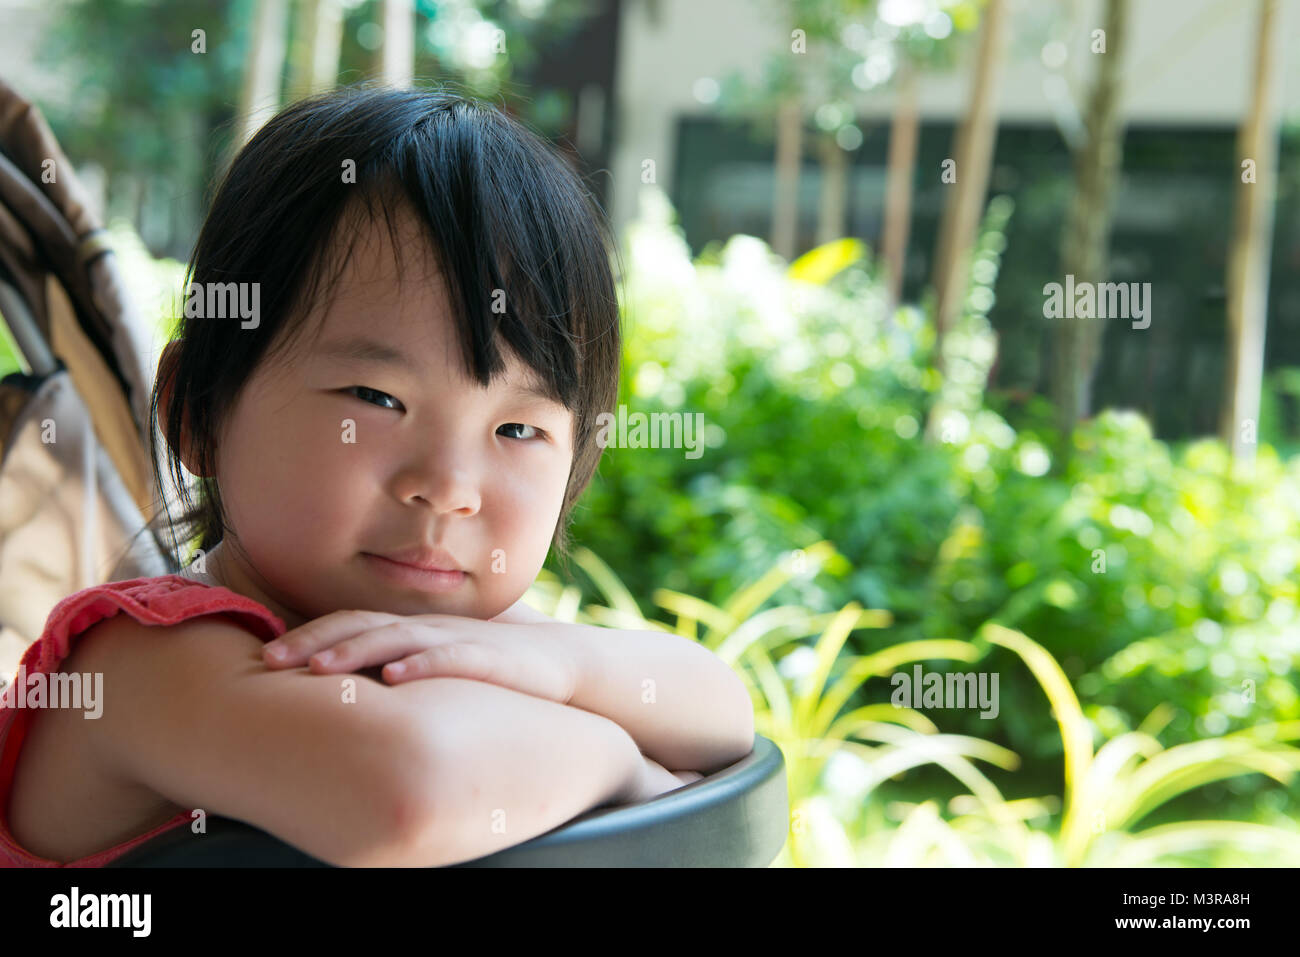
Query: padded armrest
x,y
738,817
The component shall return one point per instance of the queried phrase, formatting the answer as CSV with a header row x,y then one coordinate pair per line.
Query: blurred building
x,y
1188,70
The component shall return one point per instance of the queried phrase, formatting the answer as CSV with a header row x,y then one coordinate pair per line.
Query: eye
x,y
369,396
537,433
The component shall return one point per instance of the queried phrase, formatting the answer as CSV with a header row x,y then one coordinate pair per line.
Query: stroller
x,y
75,483
77,495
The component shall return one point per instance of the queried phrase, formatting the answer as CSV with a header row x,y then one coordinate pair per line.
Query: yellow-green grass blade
x,y
688,606
827,650
1187,766
1076,733
1148,847
907,717
615,592
884,661
749,599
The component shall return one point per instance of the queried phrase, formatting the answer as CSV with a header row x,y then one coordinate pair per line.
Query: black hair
x,y
501,209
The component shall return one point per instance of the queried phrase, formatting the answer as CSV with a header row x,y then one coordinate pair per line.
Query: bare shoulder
x,y
70,797
134,654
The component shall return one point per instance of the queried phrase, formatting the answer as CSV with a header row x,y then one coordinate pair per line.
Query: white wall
x,y
22,24
1188,62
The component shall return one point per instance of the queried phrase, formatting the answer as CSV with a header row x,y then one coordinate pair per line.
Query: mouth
x,y
449,577
430,558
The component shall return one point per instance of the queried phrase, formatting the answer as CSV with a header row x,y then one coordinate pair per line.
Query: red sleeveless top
x,y
165,600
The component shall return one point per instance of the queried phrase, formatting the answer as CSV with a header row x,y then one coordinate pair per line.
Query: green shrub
x,y
825,421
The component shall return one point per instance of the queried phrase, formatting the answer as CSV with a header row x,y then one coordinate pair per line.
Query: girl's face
x,y
372,442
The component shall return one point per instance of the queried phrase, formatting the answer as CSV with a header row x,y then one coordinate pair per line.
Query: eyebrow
x,y
363,349
367,350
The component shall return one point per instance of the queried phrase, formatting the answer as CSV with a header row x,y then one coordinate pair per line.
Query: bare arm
x,y
424,774
683,705
509,766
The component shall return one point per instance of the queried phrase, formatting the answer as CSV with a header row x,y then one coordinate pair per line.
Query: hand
x,y
652,780
532,659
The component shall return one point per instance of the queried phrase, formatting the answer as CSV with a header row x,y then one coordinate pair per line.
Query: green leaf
x,y
822,264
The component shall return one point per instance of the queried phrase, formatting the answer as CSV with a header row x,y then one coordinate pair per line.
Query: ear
x,y
167,382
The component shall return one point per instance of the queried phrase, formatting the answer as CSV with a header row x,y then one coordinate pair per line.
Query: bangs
x,y
496,242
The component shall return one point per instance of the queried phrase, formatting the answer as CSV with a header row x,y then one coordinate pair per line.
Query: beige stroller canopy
x,y
76,484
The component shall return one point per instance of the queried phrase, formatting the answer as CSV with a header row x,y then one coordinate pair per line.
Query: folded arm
x,y
684,706
348,769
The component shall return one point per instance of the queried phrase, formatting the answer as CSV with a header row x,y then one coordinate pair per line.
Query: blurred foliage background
x,y
1160,577
886,480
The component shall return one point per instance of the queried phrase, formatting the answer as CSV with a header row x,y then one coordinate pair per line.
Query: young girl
x,y
400,329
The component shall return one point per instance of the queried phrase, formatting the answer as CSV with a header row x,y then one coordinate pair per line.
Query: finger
x,y
450,660
377,646
294,647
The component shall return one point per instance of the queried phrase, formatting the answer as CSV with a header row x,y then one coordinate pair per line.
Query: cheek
x,y
525,504
531,489
291,473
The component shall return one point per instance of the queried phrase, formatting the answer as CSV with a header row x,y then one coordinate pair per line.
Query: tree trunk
x,y
974,155
397,54
903,132
314,62
261,94
1248,256
1085,238
832,214
789,155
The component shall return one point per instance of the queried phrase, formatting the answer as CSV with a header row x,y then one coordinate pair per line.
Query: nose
x,y
439,480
